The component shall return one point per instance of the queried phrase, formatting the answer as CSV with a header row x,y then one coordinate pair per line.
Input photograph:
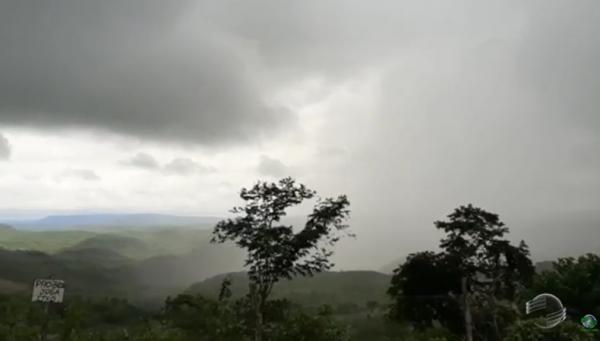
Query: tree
x,y
492,268
201,318
475,253
300,326
276,251
489,262
575,281
425,289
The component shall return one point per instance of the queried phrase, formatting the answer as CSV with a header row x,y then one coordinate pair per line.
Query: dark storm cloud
x,y
5,148
314,37
185,166
184,70
142,160
129,67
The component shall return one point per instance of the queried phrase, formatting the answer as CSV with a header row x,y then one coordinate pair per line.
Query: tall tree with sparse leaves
x,y
489,262
276,251
492,267
429,286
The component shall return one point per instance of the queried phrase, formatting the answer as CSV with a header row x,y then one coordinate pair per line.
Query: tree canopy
x,y
275,251
427,288
576,281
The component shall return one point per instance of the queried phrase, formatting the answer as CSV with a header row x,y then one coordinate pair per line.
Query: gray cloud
x,y
493,103
185,166
142,160
177,166
188,71
133,68
558,58
272,167
5,148
330,152
196,71
503,114
314,37
82,174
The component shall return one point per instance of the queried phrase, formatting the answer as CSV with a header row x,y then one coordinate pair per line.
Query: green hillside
x,y
143,266
146,265
334,288
45,241
168,241
23,267
99,257
129,242
123,245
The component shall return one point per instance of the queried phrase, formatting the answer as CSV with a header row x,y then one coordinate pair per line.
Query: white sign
x,y
48,290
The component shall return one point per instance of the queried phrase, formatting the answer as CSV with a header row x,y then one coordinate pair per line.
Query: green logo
x,y
589,321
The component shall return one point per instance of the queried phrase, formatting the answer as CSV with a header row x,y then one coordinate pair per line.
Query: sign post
x,y
47,291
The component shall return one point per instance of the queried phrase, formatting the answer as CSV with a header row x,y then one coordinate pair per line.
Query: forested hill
x,y
142,265
334,288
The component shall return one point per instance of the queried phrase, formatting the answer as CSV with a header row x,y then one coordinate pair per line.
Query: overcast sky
x,y
410,108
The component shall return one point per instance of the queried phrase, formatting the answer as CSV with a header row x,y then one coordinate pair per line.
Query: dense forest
x,y
258,279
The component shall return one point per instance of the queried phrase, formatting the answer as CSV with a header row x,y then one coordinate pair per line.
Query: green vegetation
x,y
477,274
132,264
129,242
275,251
566,331
575,281
45,241
175,285
348,290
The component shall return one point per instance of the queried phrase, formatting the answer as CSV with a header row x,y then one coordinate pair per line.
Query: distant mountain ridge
x,y
112,220
5,227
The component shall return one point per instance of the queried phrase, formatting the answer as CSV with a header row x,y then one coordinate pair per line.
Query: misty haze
x,y
306,170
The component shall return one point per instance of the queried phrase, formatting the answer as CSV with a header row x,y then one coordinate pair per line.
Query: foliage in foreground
x,y
200,318
575,281
478,273
184,318
566,331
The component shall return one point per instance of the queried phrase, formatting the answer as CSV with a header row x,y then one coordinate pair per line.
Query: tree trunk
x,y
258,328
44,330
468,318
495,317
255,299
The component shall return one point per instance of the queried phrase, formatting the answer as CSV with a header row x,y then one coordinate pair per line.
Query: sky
x,y
411,108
